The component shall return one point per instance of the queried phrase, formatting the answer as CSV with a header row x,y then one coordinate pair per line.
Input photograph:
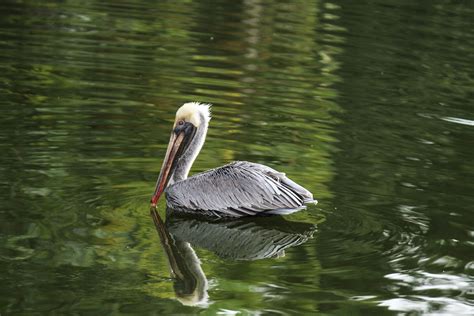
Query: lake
x,y
368,104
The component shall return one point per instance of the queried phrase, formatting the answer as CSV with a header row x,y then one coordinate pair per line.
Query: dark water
x,y
366,103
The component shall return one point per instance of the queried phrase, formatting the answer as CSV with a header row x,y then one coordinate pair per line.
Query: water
x,y
367,104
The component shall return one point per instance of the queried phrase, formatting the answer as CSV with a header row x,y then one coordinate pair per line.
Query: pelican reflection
x,y
230,239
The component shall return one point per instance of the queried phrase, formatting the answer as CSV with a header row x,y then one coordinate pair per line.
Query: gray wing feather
x,y
238,189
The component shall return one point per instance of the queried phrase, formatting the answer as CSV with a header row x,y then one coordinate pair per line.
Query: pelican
x,y
237,189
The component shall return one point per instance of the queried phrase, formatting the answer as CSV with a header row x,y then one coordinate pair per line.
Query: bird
x,y
238,189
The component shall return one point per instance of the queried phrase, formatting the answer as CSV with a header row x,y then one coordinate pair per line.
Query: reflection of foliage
x,y
404,180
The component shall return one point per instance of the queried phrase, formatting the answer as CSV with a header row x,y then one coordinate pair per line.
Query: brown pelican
x,y
240,188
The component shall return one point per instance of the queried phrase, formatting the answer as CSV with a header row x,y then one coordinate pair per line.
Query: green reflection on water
x,y
365,104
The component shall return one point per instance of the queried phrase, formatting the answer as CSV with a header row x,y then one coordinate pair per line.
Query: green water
x,y
368,104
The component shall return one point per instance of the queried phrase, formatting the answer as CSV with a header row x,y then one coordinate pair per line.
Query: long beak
x,y
163,178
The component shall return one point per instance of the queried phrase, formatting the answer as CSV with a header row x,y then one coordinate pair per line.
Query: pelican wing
x,y
238,189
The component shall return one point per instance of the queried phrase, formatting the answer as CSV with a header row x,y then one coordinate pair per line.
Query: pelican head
x,y
187,138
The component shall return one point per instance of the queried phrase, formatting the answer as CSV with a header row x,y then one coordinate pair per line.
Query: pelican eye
x,y
181,122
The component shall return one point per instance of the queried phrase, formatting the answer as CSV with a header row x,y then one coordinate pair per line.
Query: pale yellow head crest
x,y
194,112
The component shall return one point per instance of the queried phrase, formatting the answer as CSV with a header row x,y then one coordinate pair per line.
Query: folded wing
x,y
238,189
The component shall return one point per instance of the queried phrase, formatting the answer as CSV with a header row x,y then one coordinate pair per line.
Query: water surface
x,y
367,104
